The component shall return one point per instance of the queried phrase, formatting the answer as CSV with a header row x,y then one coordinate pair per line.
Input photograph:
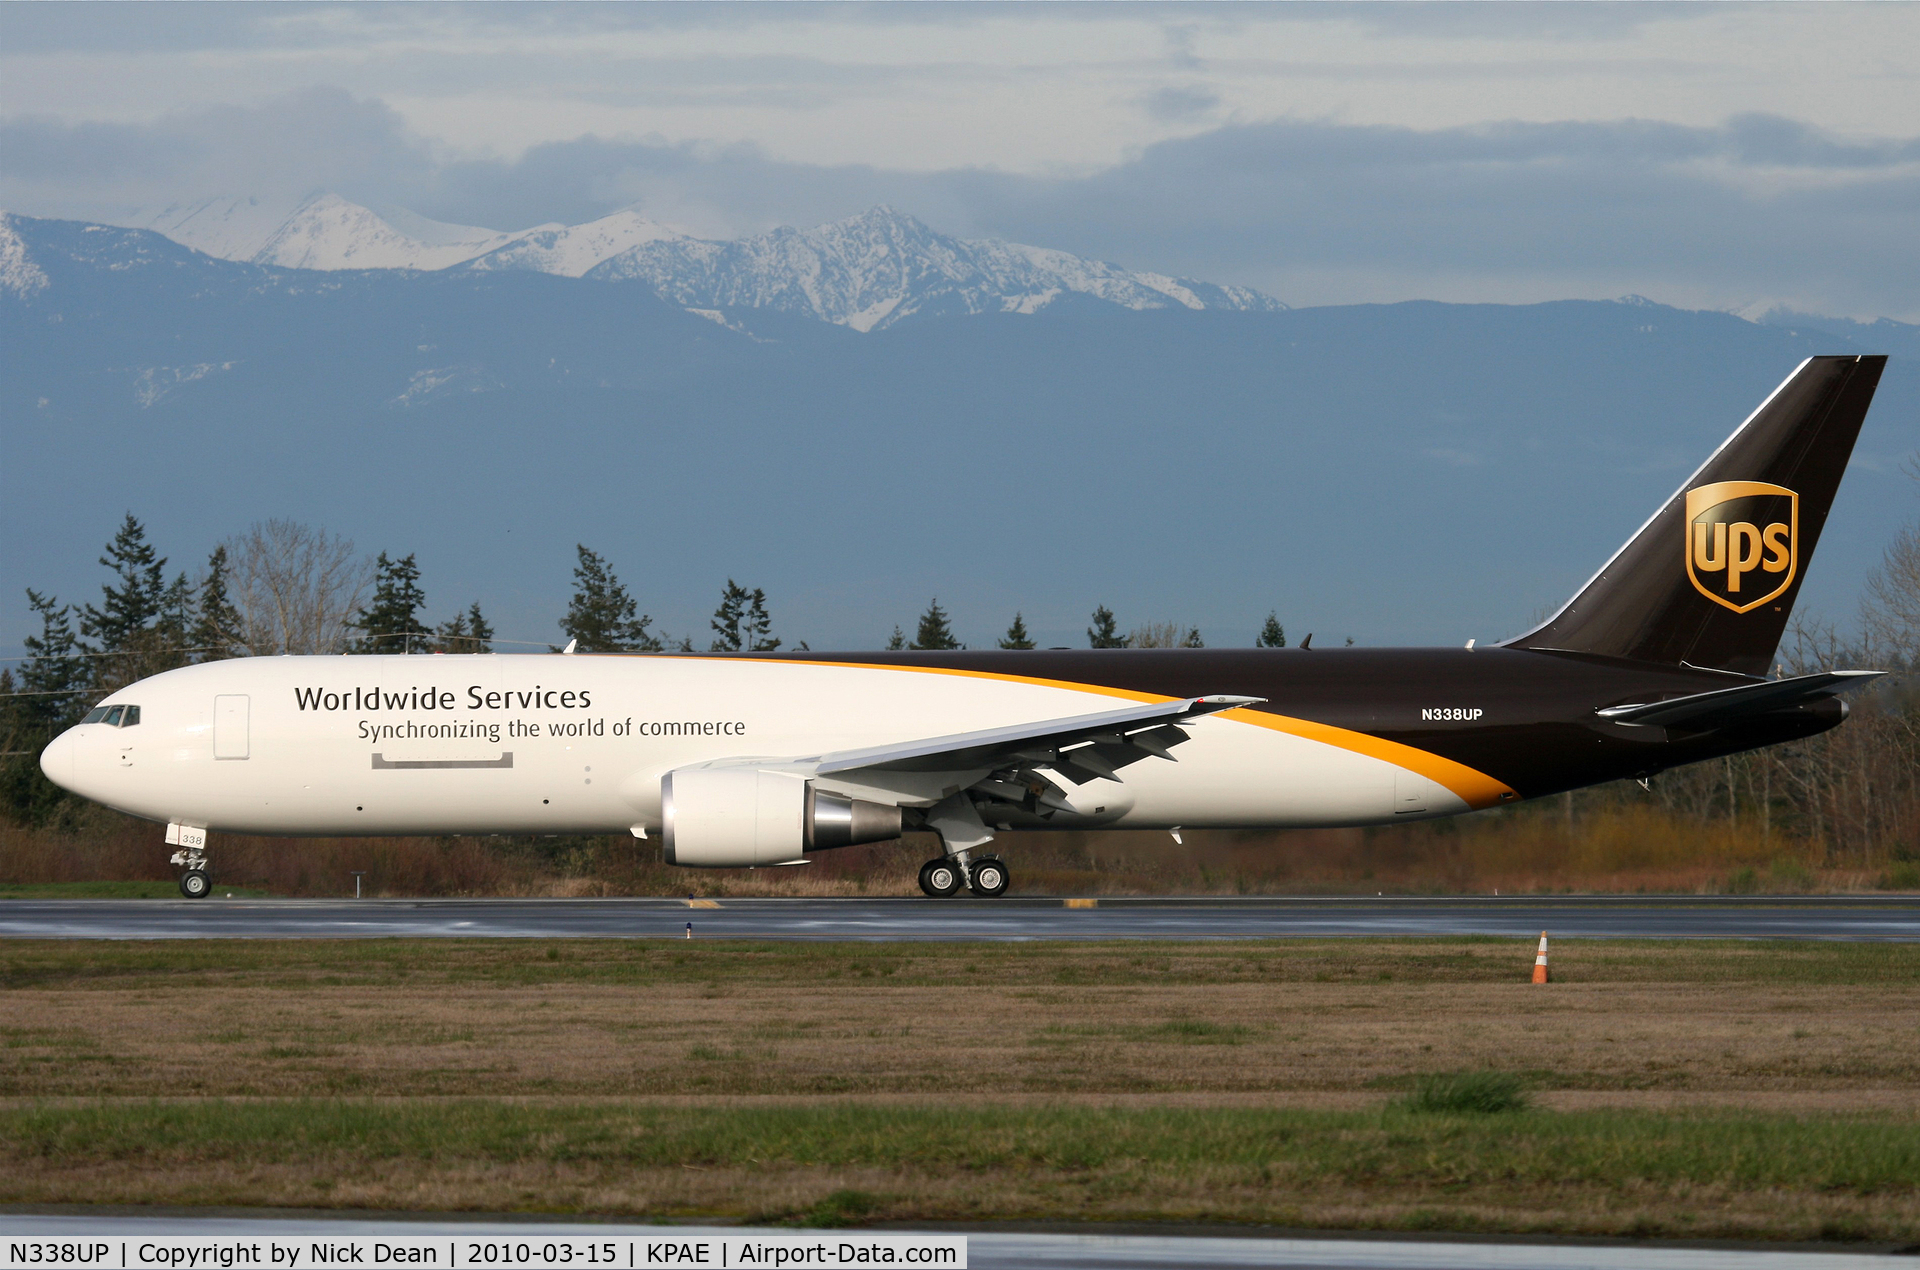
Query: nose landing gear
x,y
195,884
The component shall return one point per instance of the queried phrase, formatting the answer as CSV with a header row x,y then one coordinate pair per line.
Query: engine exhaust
x,y
833,821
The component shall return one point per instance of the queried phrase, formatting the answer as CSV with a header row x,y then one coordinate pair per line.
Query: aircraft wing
x,y
1081,747
1708,709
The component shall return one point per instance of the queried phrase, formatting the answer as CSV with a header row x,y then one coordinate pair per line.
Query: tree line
x,y
284,587
1850,796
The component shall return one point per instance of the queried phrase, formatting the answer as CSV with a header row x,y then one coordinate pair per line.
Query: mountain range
x,y
1413,472
865,272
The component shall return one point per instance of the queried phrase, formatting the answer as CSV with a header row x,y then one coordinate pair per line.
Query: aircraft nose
x,y
57,760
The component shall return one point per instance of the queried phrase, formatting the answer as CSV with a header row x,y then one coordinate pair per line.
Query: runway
x,y
1010,1250
899,919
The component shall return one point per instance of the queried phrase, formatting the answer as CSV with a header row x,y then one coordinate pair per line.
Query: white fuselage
x,y
544,744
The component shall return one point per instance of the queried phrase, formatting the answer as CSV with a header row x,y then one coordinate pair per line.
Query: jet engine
x,y
737,817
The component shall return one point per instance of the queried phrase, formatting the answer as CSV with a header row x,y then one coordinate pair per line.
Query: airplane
x,y
762,760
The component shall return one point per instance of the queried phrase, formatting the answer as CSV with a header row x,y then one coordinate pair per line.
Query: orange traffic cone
x,y
1540,961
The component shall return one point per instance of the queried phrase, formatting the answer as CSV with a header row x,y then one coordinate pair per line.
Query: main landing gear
x,y
986,876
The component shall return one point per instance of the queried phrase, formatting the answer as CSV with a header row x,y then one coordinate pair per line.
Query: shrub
x,y
1466,1094
1786,873
1903,876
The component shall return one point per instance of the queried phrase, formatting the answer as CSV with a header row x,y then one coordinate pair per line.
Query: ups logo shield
x,y
1743,540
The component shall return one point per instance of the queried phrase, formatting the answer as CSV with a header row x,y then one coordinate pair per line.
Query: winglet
x,y
1210,705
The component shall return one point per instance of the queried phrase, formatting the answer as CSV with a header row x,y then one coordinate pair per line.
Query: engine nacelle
x,y
738,817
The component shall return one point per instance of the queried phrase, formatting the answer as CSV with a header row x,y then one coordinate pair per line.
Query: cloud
x,y
317,138
1312,211
1318,212
1175,102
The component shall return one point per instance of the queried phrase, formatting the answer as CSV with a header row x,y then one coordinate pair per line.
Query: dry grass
x,y
1287,1023
1727,1089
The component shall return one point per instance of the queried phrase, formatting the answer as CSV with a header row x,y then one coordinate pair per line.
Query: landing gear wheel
x,y
940,878
195,884
990,877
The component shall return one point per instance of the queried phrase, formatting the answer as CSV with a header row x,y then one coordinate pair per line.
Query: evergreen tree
x,y
1272,635
727,619
1104,633
1016,636
390,622
174,626
742,622
53,690
143,620
602,617
1193,639
479,630
897,642
139,597
466,632
215,631
55,676
758,624
934,632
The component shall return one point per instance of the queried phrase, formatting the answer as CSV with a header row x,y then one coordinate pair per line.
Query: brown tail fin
x,y
1710,579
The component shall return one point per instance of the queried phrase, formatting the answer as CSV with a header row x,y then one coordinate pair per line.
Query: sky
x,y
1711,156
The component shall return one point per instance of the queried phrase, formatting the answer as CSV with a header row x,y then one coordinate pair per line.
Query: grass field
x,y
1705,1089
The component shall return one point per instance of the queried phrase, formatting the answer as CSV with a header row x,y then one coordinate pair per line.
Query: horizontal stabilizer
x,y
1708,709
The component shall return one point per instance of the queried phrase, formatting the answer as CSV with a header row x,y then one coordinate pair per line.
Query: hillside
x,y
1418,472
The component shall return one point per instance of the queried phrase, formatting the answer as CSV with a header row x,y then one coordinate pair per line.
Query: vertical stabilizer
x,y
1710,579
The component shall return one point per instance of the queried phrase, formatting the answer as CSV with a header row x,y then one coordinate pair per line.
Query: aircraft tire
x,y
940,878
990,877
195,884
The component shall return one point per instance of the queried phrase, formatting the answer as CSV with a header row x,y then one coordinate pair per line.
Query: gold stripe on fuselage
x,y
1472,786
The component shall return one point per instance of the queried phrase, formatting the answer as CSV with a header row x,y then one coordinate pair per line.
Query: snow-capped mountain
x,y
572,250
881,266
229,228
20,275
865,272
328,232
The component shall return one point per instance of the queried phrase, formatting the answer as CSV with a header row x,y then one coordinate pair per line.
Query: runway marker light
x,y
1540,960
689,930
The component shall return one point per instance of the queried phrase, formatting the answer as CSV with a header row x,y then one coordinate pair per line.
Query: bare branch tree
x,y
1891,607
295,587
1155,635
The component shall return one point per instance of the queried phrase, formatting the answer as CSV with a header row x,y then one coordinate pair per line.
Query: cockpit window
x,y
113,716
95,715
131,717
